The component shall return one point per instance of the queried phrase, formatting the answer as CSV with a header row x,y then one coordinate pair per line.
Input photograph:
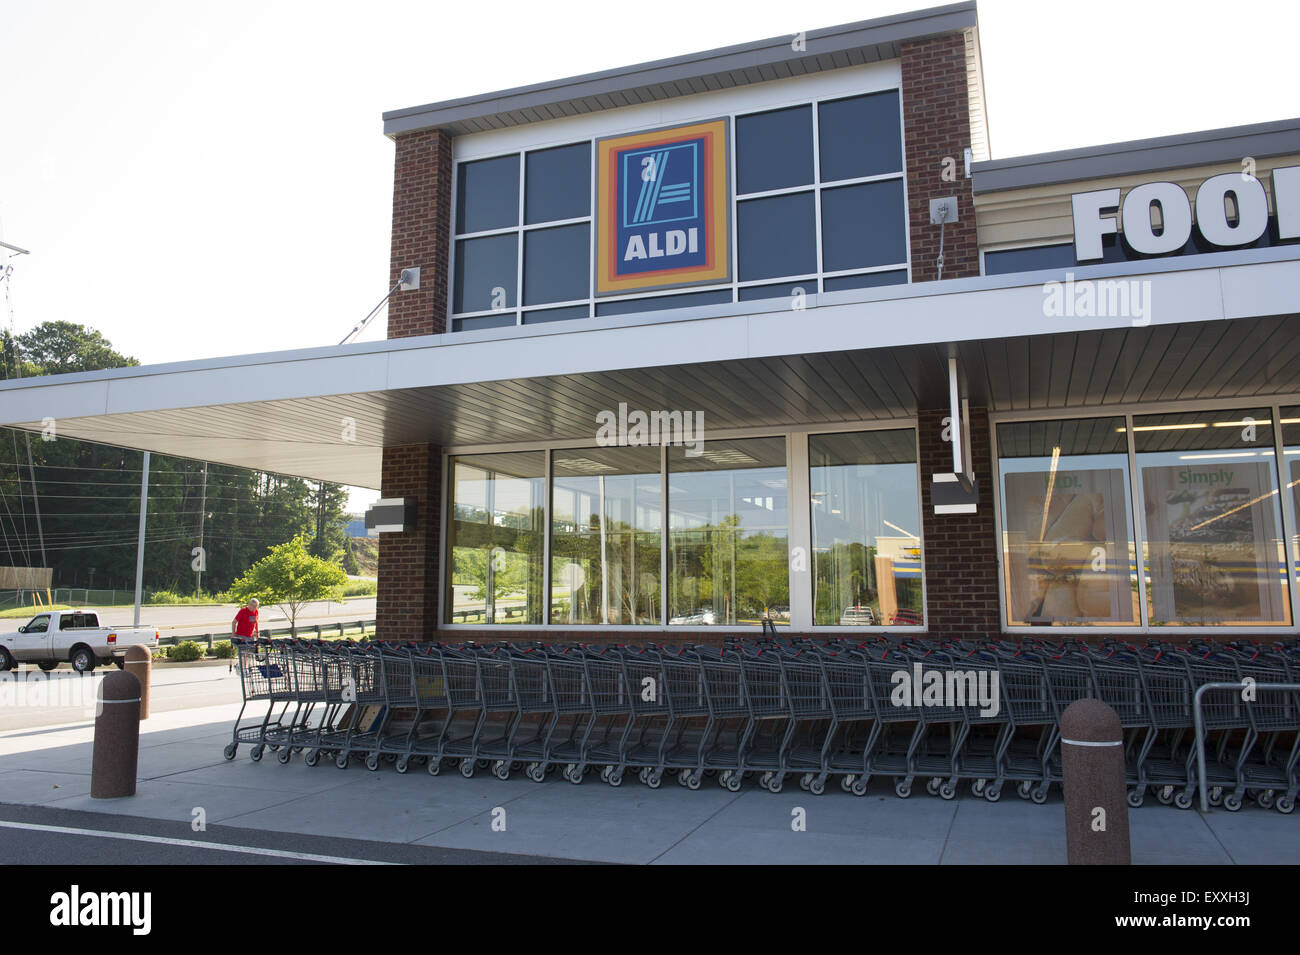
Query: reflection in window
x,y
1066,538
606,516
1213,549
496,538
866,523
728,549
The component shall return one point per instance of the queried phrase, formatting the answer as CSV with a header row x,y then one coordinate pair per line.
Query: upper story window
x,y
817,203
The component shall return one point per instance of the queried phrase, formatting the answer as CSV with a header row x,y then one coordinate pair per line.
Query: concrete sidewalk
x,y
182,768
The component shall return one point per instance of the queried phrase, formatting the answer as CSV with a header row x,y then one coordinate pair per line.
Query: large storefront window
x,y
1213,549
866,522
1067,540
496,538
606,516
728,546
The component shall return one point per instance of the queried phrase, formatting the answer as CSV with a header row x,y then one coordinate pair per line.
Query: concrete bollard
x,y
1092,770
117,737
139,662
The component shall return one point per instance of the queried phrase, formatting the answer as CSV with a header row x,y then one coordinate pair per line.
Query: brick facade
x,y
937,126
407,605
961,567
421,232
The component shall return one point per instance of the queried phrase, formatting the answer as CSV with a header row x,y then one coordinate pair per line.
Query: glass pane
x,y
557,264
861,136
486,273
777,236
479,322
555,314
728,533
869,280
487,194
496,538
1067,537
1213,552
863,226
1291,472
788,290
557,183
866,522
655,303
774,150
606,519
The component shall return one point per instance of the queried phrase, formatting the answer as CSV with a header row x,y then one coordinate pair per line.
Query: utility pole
x,y
18,373
203,513
139,547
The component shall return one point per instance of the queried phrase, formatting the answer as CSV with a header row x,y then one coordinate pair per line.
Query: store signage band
x,y
661,209
1094,214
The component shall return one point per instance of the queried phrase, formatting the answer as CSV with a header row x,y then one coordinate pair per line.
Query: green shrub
x,y
225,650
161,653
360,588
186,652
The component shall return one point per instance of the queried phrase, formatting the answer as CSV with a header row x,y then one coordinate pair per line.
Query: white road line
x,y
191,843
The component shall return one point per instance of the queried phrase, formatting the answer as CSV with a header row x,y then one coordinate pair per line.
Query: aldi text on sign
x,y
662,209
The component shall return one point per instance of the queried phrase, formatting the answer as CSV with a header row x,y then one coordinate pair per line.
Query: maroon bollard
x,y
1092,771
117,737
139,661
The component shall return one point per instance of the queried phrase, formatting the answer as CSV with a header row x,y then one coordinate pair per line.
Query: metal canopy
x,y
307,436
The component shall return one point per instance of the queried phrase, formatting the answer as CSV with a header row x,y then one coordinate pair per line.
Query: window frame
x,y
1128,411
813,99
799,530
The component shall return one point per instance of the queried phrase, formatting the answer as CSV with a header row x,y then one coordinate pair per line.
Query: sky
x,y
196,180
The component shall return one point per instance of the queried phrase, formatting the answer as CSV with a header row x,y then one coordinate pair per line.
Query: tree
x,y
56,348
289,577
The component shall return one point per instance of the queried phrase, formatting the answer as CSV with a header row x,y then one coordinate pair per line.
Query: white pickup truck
x,y
50,638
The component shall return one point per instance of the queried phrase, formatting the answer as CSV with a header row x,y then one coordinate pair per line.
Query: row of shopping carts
x,y
899,710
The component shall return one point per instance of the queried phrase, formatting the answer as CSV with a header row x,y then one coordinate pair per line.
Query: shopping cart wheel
x,y
230,750
434,766
535,772
1265,799
312,757
1024,789
644,772
501,770
734,782
1136,797
993,793
575,777
948,790
1165,795
284,755
1232,802
604,773
692,780
1039,795
932,787
256,753
467,767
1183,800
402,765
372,762
804,780
615,778
1216,796
654,779
1285,805
817,786
858,788
481,764
846,782
977,787
902,789
341,760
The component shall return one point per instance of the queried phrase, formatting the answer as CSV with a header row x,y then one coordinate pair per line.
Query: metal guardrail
x,y
1198,721
316,630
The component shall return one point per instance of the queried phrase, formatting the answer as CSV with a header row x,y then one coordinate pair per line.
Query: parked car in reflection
x,y
859,615
704,617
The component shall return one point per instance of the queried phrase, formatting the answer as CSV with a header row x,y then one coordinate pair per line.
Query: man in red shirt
x,y
245,622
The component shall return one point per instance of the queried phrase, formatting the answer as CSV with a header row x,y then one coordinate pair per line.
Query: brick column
x,y
407,605
937,127
421,232
961,569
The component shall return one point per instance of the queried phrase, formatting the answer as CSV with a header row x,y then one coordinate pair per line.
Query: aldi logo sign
x,y
662,209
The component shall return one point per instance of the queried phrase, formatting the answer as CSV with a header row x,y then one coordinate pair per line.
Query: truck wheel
x,y
48,665
6,661
119,662
83,661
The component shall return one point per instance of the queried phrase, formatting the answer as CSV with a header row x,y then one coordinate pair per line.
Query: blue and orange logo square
x,y
661,209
